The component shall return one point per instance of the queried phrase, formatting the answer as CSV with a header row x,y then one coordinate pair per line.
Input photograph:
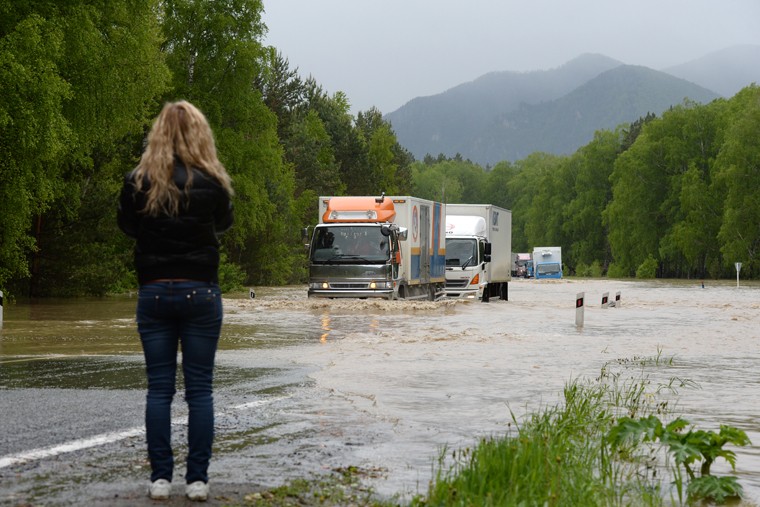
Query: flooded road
x,y
307,386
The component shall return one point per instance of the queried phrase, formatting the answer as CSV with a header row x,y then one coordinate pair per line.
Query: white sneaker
x,y
160,489
197,491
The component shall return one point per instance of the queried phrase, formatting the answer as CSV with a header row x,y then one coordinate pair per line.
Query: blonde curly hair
x,y
180,130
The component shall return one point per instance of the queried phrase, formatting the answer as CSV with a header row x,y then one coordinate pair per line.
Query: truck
x,y
547,262
522,265
478,251
390,247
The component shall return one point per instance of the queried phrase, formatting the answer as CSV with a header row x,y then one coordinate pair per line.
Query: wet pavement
x,y
305,386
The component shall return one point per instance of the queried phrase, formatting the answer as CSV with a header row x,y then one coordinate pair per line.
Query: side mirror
x,y
385,230
487,258
402,233
487,249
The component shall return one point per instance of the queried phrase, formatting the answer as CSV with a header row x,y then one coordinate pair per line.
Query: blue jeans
x,y
168,314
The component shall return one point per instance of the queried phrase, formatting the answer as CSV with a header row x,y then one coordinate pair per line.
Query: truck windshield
x,y
551,268
353,244
461,252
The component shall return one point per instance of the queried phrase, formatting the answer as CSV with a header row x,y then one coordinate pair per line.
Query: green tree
x,y
550,181
632,216
216,56
34,133
691,137
592,192
282,90
451,180
349,143
738,172
102,72
431,182
496,185
663,204
310,149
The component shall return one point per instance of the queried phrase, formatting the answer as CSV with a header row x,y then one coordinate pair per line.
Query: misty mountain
x,y
445,123
561,126
508,115
725,72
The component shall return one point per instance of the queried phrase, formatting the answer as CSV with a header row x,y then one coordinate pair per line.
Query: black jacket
x,y
182,246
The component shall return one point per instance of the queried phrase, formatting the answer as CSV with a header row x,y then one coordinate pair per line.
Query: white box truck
x,y
478,251
547,262
378,247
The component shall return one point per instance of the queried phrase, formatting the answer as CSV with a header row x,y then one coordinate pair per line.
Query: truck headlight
x,y
319,285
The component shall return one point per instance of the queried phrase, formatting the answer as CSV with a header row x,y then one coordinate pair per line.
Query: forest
x,y
676,195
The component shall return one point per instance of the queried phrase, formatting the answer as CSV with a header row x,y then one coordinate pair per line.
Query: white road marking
x,y
76,445
105,438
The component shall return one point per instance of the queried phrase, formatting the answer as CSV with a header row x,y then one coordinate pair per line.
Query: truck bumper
x,y
351,293
462,294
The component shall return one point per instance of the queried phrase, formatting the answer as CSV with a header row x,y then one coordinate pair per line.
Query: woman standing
x,y
175,203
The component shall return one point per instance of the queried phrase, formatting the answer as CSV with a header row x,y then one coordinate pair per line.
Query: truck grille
x,y
456,284
348,285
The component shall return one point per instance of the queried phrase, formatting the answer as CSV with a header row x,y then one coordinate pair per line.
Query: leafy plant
x,y
690,448
648,268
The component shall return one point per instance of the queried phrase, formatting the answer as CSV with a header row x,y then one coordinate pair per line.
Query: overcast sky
x,y
384,53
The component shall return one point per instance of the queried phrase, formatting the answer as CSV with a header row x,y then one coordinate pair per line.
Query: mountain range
x,y
508,115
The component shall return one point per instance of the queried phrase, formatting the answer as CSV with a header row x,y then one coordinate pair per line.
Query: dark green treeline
x,y
81,82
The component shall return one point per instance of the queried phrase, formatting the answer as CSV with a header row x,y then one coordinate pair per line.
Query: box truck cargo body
x,y
378,247
547,262
478,251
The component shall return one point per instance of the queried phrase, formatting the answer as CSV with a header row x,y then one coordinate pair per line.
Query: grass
x,y
556,456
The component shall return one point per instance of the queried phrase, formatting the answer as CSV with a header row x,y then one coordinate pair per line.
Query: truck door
x,y
424,244
485,266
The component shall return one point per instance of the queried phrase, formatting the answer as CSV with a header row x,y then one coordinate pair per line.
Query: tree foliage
x,y
82,81
79,80
675,195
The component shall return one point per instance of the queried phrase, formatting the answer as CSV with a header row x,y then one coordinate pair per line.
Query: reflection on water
x,y
325,327
386,384
98,372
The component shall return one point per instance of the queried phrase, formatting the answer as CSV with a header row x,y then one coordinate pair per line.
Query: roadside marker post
x,y
738,266
579,309
617,299
606,300
251,293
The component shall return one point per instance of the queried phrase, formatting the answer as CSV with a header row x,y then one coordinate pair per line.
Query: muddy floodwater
x,y
308,386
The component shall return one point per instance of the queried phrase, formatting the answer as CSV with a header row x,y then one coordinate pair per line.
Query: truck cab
x,y
354,250
468,254
360,248
547,262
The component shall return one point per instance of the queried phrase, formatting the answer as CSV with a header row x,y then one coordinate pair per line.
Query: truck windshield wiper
x,y
354,257
467,262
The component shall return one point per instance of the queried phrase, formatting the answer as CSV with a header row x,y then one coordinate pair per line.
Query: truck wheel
x,y
504,291
431,292
402,292
486,294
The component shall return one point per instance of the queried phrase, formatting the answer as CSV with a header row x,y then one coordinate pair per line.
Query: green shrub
x,y
647,269
617,271
231,276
